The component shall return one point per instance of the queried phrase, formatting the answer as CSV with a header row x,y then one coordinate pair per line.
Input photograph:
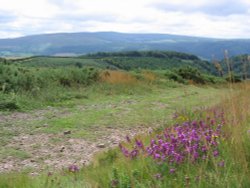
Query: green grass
x,y
15,152
150,109
141,172
116,106
89,110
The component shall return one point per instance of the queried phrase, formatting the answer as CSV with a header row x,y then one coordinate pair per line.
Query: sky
x,y
205,18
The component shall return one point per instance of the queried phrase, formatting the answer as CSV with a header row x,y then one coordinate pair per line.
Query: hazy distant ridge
x,y
85,42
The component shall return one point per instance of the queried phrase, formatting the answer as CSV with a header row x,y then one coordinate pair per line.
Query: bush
x,y
233,78
8,103
213,79
19,79
174,76
189,73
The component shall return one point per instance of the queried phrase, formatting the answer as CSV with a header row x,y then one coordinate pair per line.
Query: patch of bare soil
x,y
56,151
36,115
50,151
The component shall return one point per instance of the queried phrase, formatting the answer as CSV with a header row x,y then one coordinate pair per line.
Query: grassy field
x,y
111,169
62,128
37,141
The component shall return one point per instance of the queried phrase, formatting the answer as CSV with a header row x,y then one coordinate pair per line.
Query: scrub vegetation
x,y
133,119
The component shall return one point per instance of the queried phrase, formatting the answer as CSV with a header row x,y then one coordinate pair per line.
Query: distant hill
x,y
65,44
132,60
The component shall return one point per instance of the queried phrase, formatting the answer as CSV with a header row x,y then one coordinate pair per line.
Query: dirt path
x,y
55,151
38,141
62,153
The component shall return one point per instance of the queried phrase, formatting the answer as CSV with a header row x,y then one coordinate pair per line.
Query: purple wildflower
x,y
157,156
158,176
172,170
216,153
73,168
134,153
188,140
221,163
139,143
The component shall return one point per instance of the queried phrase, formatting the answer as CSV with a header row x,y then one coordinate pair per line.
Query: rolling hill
x,y
68,44
132,60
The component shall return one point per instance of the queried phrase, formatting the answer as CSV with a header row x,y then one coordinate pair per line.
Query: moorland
x,y
124,119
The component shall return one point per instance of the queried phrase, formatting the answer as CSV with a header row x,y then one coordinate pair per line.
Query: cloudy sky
x,y
208,18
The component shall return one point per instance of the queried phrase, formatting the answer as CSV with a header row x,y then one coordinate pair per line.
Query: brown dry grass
x,y
149,76
117,77
236,107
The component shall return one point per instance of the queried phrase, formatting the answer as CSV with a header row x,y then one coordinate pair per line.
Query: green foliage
x,y
240,67
153,60
55,62
8,102
176,77
153,54
20,85
46,80
189,73
233,78
20,79
186,74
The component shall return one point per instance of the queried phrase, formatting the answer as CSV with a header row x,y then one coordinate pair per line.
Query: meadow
x,y
84,126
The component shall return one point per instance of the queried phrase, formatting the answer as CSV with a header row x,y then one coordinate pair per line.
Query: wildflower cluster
x,y
189,141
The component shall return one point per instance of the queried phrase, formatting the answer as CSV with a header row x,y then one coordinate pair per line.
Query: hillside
x,y
83,43
132,60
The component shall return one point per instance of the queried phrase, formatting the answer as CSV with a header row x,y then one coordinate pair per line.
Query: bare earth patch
x,y
36,115
56,151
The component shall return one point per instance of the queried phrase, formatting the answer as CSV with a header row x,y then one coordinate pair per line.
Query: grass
x,y
112,169
141,172
234,148
127,110
125,101
108,105
15,152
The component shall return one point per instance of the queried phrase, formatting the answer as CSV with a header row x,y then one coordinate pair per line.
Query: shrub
x,y
8,102
174,76
233,78
19,79
189,73
192,75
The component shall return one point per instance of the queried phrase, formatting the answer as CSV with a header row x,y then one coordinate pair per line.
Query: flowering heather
x,y
189,141
73,168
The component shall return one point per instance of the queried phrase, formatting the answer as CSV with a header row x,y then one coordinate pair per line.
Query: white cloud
x,y
221,18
